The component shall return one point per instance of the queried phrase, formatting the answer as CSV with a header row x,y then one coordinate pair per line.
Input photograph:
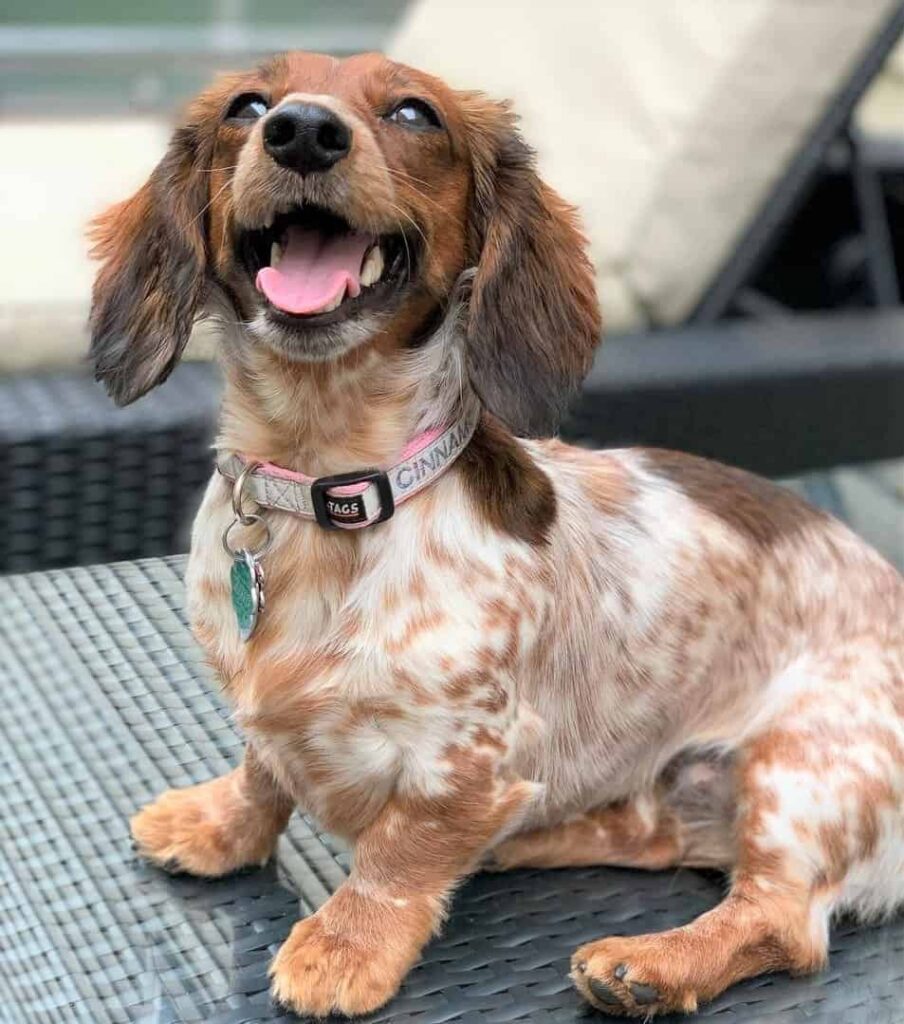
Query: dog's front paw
x,y
352,955
318,972
208,830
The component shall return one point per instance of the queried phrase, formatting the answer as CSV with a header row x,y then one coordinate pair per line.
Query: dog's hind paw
x,y
611,975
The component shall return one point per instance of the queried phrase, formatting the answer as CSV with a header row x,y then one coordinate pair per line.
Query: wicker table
x,y
104,703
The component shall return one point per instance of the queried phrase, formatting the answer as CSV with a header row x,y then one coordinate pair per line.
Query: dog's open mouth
x,y
314,268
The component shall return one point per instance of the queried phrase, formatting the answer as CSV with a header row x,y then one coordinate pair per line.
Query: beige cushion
x,y
666,121
46,202
55,176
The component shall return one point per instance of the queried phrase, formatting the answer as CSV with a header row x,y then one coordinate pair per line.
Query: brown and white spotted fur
x,y
551,656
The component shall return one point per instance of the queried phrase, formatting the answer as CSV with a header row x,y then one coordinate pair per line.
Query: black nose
x,y
306,137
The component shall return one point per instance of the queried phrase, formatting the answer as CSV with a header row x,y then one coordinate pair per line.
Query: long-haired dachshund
x,y
458,648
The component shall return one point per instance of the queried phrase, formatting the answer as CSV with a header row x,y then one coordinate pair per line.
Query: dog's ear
x,y
151,282
533,320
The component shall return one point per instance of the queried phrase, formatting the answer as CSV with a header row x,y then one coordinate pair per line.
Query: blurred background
x,y
739,167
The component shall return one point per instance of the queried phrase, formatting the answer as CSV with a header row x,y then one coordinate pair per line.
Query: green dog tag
x,y
247,582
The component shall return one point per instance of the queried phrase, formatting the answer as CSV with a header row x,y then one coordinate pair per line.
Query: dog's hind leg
x,y
819,790
217,827
686,819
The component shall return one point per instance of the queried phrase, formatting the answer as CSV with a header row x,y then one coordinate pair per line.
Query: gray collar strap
x,y
350,501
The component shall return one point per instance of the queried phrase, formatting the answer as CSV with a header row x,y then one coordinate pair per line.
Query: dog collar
x,y
351,501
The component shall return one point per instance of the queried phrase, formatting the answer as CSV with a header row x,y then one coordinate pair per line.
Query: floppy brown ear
x,y
149,288
534,320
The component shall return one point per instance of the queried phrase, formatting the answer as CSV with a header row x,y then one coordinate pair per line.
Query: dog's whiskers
x,y
420,194
210,202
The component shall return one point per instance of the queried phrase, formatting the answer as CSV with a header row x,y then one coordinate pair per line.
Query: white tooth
x,y
276,254
335,304
373,267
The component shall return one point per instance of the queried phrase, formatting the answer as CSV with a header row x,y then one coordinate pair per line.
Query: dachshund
x,y
452,640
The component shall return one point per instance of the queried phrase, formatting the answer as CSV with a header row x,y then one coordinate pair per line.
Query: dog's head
x,y
333,204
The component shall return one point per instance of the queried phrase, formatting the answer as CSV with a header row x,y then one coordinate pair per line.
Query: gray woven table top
x,y
104,704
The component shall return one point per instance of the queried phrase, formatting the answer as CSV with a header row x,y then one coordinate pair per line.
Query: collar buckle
x,y
338,511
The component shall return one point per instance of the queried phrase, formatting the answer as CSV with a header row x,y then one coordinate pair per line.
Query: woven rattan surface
x,y
104,704
84,482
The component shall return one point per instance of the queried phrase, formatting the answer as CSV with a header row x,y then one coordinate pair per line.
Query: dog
x,y
453,642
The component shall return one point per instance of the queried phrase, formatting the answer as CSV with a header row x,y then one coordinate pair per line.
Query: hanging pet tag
x,y
246,580
246,577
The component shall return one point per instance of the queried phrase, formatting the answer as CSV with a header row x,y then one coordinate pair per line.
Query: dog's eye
x,y
247,107
415,114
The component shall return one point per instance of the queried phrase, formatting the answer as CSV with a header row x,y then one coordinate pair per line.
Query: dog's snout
x,y
306,137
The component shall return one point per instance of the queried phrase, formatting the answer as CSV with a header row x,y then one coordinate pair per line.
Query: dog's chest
x,y
341,756
364,674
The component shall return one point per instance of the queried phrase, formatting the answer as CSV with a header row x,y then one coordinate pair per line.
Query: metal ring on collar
x,y
237,494
248,521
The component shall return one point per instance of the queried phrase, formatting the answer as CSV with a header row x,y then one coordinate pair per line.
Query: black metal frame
x,y
731,291
780,396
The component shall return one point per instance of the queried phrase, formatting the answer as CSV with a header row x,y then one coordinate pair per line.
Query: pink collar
x,y
352,501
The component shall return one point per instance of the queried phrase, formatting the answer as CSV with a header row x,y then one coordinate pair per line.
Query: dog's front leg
x,y
217,827
351,956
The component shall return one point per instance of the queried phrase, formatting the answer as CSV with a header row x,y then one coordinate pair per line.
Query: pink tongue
x,y
314,270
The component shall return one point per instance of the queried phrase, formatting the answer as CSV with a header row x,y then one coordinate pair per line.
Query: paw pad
x,y
615,992
603,993
643,995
